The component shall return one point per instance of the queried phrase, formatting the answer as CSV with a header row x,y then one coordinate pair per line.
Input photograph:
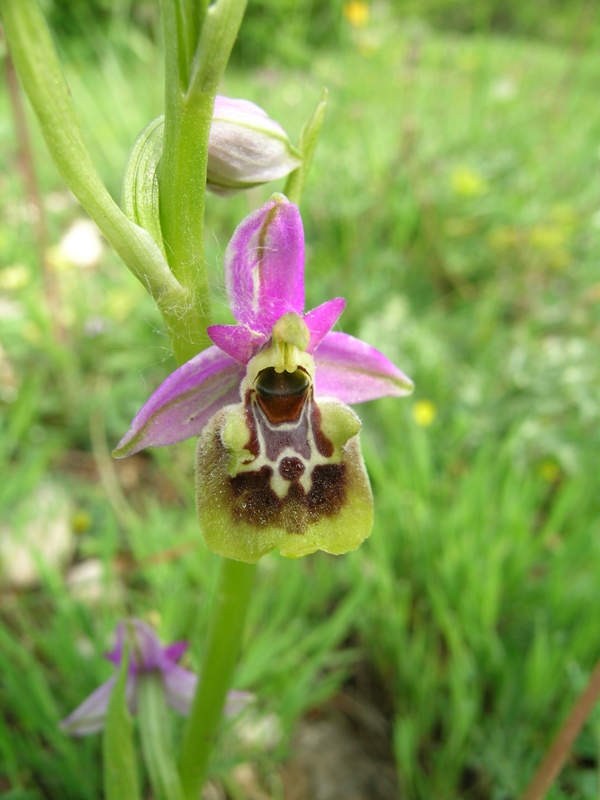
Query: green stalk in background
x,y
155,737
42,79
121,781
198,41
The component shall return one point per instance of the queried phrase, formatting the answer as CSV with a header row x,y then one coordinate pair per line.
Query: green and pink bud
x,y
246,148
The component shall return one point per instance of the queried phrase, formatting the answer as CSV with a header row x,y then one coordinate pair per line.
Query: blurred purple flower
x,y
146,654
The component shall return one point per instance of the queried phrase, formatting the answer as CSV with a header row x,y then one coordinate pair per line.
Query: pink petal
x,y
264,265
116,654
173,652
238,341
180,687
90,715
183,404
321,320
145,648
228,106
354,372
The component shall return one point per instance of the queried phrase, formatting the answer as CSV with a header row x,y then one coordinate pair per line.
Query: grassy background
x,y
455,202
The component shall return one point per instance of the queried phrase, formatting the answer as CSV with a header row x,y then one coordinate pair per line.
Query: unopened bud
x,y
246,148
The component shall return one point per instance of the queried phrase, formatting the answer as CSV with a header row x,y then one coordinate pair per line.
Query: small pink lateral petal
x,y
352,371
180,688
264,265
321,320
238,341
173,652
183,404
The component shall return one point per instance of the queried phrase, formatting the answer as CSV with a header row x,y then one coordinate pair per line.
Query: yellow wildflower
x,y
467,182
548,237
81,521
424,412
357,13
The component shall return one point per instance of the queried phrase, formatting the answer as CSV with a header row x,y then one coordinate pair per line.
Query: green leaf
x,y
155,735
309,136
140,181
120,765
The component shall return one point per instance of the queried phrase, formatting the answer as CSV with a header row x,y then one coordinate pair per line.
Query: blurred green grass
x,y
454,201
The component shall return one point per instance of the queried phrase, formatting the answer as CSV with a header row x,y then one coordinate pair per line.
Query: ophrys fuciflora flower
x,y
278,462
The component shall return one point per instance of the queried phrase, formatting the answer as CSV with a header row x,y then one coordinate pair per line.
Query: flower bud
x,y
246,148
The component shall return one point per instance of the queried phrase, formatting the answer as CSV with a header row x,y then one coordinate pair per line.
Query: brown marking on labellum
x,y
243,517
328,491
281,395
324,445
281,411
255,502
291,468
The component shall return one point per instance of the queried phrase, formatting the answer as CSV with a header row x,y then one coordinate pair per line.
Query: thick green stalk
x,y
190,89
222,649
182,183
42,78
155,737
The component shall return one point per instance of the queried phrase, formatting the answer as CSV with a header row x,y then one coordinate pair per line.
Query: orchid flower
x,y
278,461
146,654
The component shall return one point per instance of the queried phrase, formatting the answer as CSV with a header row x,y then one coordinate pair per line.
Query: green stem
x,y
191,83
41,76
182,182
155,737
222,648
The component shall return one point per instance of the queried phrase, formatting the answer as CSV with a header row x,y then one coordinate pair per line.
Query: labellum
x,y
281,469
